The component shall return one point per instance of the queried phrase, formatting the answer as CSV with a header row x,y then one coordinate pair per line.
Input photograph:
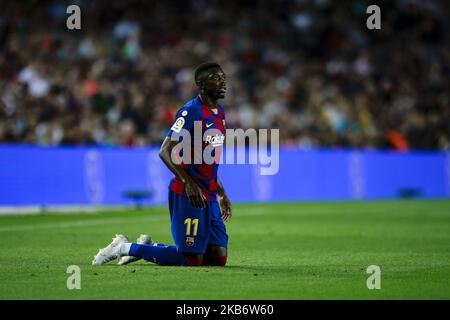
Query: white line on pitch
x,y
96,222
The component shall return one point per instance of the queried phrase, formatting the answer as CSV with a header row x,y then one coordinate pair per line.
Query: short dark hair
x,y
203,68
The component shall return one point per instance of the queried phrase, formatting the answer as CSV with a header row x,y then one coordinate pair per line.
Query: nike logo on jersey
x,y
209,125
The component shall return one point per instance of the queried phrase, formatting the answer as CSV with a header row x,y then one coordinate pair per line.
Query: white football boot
x,y
112,251
143,239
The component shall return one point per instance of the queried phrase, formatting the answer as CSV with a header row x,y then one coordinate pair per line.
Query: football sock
x,y
159,254
159,244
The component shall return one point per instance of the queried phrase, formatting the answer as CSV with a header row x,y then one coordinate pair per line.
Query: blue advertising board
x,y
90,176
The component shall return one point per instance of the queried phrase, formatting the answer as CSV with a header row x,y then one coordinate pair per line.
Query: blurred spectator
x,y
308,67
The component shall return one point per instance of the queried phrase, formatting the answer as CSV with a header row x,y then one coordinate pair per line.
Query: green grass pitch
x,y
276,251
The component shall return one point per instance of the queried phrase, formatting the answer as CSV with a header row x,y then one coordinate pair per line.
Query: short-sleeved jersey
x,y
212,137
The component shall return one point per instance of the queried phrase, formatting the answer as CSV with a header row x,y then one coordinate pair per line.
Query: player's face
x,y
215,84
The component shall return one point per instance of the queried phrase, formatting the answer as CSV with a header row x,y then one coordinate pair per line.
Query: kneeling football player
x,y
198,203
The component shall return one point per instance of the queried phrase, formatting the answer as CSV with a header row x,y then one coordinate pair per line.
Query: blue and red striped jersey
x,y
212,123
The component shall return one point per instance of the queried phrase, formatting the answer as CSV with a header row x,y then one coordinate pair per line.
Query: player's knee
x,y
221,261
218,261
216,256
193,260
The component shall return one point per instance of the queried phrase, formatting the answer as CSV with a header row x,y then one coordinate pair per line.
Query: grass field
x,y
276,251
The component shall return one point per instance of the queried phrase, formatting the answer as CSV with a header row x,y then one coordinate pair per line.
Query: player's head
x,y
210,79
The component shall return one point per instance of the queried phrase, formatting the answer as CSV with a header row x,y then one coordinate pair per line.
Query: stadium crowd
x,y
308,67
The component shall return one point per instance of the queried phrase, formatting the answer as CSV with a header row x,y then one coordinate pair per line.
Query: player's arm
x,y
193,191
224,201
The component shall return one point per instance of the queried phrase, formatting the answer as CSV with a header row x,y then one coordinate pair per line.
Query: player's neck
x,y
209,102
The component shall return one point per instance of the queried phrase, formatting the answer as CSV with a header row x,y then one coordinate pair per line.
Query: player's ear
x,y
200,84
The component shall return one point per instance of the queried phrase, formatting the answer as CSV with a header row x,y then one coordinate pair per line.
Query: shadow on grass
x,y
307,270
255,270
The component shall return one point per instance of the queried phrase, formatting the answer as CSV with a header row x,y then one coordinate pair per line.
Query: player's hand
x,y
225,206
195,195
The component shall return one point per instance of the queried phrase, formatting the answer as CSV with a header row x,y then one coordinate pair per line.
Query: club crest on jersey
x,y
216,140
178,125
189,241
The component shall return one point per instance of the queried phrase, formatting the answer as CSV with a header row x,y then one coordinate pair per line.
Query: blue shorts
x,y
194,229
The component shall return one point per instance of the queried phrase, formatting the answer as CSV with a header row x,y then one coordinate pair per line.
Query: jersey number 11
x,y
191,222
